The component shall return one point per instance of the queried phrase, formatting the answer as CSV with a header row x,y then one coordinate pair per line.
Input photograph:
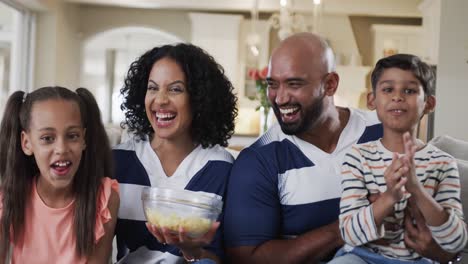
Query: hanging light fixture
x,y
253,39
288,22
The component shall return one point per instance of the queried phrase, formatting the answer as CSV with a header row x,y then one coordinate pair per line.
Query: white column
x,y
219,36
2,71
3,89
430,10
22,52
452,78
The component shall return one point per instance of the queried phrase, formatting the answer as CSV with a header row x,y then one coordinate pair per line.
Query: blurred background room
x,y
91,43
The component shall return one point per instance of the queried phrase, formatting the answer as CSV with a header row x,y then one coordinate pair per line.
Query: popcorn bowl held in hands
x,y
195,212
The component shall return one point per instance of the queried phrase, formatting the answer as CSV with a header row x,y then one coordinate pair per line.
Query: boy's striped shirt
x,y
363,173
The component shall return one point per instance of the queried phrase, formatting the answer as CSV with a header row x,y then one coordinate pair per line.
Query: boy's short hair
x,y
407,62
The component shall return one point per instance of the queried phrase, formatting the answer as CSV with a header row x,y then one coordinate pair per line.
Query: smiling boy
x,y
405,171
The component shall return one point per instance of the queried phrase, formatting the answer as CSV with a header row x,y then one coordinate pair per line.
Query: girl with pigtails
x,y
57,204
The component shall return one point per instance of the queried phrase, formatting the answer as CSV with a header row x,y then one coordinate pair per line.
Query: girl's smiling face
x,y
56,139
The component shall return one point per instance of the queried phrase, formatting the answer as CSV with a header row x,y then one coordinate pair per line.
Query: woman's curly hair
x,y
212,100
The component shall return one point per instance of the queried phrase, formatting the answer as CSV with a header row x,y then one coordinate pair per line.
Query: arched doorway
x,y
106,59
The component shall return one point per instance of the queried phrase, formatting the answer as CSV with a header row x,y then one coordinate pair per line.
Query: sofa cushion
x,y
463,171
459,150
114,133
456,147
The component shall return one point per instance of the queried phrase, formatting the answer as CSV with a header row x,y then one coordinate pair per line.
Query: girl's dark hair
x,y
407,62
17,170
212,101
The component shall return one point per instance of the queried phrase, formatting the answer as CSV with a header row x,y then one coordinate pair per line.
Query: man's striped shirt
x,y
282,186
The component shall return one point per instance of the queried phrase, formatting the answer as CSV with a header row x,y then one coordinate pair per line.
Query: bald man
x,y
284,191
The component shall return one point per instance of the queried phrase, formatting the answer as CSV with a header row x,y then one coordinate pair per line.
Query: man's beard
x,y
307,119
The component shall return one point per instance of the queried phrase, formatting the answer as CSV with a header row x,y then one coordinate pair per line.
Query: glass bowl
x,y
195,212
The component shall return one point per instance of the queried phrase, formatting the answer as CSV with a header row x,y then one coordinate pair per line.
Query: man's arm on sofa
x,y
310,247
419,237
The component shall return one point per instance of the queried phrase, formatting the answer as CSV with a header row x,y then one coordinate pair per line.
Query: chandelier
x,y
288,22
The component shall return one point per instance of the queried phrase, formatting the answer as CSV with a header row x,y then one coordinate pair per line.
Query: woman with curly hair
x,y
180,107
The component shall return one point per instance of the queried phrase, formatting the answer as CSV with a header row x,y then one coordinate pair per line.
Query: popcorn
x,y
194,226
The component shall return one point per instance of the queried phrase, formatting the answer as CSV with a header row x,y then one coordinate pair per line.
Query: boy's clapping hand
x,y
395,178
412,183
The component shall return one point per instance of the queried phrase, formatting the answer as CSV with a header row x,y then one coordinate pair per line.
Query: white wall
x,y
58,46
68,46
452,71
96,19
63,28
338,31
45,50
6,37
6,17
221,42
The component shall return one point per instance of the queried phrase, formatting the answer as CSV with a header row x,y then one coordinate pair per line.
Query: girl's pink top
x,y
49,233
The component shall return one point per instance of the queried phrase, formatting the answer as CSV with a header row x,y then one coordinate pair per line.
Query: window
x,y
17,25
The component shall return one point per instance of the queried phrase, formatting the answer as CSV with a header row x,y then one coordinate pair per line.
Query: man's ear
x,y
371,101
26,144
430,104
331,83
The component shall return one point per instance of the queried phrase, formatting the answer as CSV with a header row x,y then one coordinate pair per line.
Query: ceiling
x,y
389,8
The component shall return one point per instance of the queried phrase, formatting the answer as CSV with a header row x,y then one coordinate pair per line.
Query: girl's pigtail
x,y
96,136
16,171
10,131
96,163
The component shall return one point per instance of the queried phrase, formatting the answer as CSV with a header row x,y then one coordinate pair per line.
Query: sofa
x,y
455,147
459,150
